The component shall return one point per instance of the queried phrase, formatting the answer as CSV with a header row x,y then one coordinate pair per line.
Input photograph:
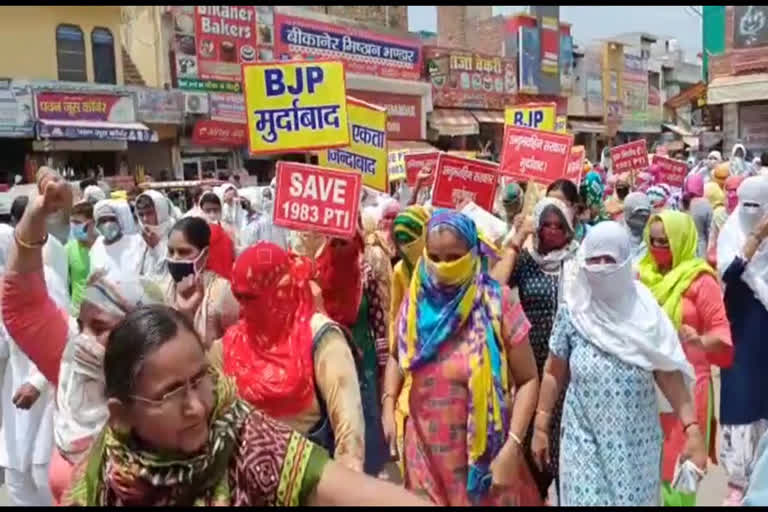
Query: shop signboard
x,y
750,28
295,106
16,109
218,133
55,130
57,106
567,74
635,113
593,73
225,38
548,24
416,162
630,157
403,112
530,60
312,198
363,51
227,107
194,84
463,79
673,172
159,106
534,155
463,179
539,116
367,151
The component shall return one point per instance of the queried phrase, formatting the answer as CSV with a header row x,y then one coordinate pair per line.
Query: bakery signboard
x,y
225,38
470,80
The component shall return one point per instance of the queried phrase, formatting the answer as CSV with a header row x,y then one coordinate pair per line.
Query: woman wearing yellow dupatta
x,y
461,349
686,287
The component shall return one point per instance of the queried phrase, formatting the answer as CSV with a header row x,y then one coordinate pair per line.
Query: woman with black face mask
x,y
199,293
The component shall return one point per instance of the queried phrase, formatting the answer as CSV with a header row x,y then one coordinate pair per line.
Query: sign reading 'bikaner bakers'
x,y
226,38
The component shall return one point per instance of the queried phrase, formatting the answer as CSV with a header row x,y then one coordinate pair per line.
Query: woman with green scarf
x,y
178,435
592,192
686,287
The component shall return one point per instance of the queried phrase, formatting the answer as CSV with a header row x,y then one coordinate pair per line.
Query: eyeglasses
x,y
176,397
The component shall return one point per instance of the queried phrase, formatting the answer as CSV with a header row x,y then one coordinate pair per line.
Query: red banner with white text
x,y
463,179
529,154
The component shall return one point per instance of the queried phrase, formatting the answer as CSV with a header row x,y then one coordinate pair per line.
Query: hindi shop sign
x,y
295,106
630,157
361,50
539,116
460,179
673,172
367,153
219,133
226,38
415,162
529,154
56,106
575,165
311,198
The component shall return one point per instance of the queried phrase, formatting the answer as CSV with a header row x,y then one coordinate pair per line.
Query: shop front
x,y
87,132
163,112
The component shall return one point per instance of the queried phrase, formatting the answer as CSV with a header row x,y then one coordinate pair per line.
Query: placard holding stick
x,y
312,198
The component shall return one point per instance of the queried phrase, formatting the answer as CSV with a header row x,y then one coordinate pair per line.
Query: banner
x,y
673,172
225,39
630,157
530,54
567,76
57,106
225,107
362,51
219,133
16,109
295,106
539,116
159,106
458,179
535,155
403,112
548,24
415,162
311,198
367,153
575,165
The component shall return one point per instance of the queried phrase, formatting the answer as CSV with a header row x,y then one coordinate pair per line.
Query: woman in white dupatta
x,y
156,216
118,249
617,345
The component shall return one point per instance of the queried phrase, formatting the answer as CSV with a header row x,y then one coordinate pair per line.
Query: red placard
x,y
219,133
415,162
312,198
673,172
630,157
464,178
535,155
226,38
403,112
575,165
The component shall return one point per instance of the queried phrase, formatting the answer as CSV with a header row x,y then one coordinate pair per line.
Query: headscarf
x,y
738,166
616,313
118,208
93,194
669,288
714,194
124,255
463,300
593,191
221,252
732,185
720,173
553,260
634,203
409,231
163,212
658,197
694,185
119,465
702,214
735,232
340,276
269,351
513,193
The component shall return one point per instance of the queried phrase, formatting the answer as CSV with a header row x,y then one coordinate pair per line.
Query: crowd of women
x,y
213,358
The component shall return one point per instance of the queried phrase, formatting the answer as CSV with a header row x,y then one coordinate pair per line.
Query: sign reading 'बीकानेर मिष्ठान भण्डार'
x,y
295,106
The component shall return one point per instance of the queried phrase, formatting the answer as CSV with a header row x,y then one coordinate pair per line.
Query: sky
x,y
596,22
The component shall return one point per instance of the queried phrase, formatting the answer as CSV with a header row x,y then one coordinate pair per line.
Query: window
x,y
103,47
70,53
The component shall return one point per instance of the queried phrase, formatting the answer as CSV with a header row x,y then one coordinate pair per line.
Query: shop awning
x,y
412,146
488,116
586,127
453,122
95,130
678,130
738,89
687,96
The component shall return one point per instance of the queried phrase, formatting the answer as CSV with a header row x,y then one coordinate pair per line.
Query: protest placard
x,y
630,157
415,162
312,198
295,106
458,179
396,168
535,155
673,172
575,165
367,151
538,116
561,124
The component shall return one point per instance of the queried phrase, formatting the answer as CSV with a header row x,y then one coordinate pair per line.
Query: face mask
x,y
179,269
452,273
79,232
662,255
553,238
110,230
608,281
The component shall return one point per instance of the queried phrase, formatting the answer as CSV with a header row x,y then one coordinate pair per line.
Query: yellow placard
x,y
397,165
561,124
295,106
367,152
539,116
464,154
